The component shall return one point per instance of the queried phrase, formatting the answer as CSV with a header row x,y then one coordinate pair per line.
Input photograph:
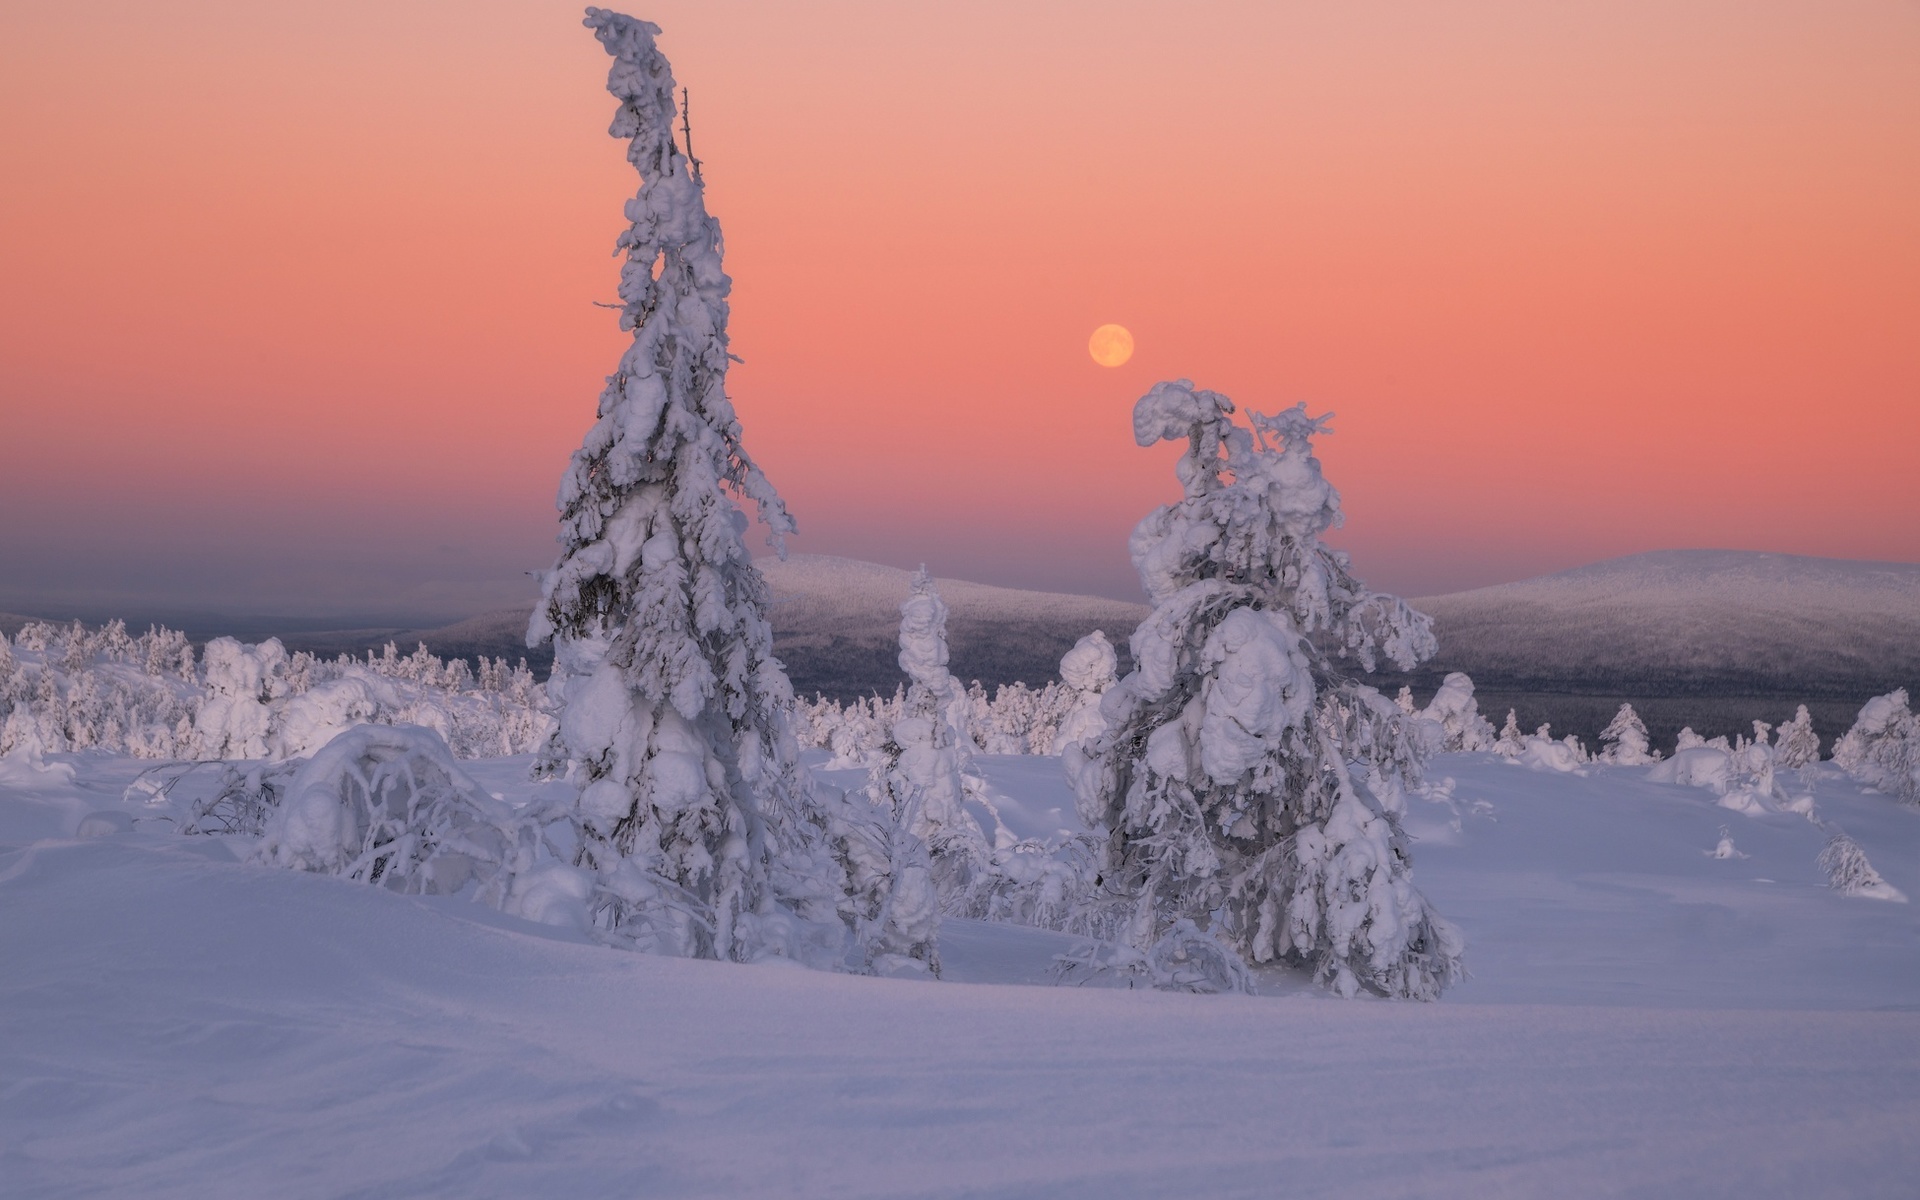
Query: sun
x,y
1110,345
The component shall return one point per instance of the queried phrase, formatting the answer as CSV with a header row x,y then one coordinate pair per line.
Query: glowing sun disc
x,y
1110,345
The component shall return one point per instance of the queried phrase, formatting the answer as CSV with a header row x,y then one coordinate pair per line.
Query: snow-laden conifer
x,y
1225,784
1626,740
1512,742
922,776
1849,872
1797,746
693,812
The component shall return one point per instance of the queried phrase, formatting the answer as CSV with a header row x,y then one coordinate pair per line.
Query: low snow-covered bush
x,y
388,805
1457,715
1543,752
71,688
1849,872
1882,749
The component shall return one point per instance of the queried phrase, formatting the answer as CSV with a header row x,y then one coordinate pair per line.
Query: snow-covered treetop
x,y
923,634
1256,504
646,492
1091,666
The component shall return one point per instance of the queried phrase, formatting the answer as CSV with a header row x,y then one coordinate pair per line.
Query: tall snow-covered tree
x,y
693,815
923,772
1232,781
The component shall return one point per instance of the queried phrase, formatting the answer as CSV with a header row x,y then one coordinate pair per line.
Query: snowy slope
x,y
1643,1020
1698,620
1713,639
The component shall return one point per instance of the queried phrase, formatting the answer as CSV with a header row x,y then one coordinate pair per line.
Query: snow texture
x,y
1642,1020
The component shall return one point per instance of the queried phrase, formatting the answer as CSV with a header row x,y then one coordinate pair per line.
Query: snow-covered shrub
x,y
1222,785
891,899
77,689
1541,751
242,681
68,688
1797,746
1882,749
243,800
1626,740
1511,742
1016,720
1741,775
1699,765
1849,872
693,813
1724,848
1457,713
388,805
24,767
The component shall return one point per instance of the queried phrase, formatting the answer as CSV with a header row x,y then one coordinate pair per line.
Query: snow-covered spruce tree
x,y
921,776
1797,745
1849,872
1626,739
694,817
1512,742
1228,784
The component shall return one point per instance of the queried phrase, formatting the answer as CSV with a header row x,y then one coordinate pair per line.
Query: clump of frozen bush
x,y
71,688
1457,715
1849,872
388,805
1882,749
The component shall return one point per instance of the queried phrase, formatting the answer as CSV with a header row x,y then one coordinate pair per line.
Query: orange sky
x,y
296,301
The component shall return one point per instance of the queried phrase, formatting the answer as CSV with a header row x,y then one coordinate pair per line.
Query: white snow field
x,y
1643,1019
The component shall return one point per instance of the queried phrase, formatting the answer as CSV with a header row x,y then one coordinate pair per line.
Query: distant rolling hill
x,y
1707,638
836,623
1703,637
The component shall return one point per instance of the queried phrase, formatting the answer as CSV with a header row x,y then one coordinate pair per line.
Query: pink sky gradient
x,y
296,302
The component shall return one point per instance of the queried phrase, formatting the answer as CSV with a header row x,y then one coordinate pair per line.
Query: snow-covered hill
x,y
835,622
1712,638
836,625
1702,620
1643,1018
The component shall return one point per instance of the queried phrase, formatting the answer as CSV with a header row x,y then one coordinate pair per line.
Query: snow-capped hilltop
x,y
819,590
1749,578
1691,622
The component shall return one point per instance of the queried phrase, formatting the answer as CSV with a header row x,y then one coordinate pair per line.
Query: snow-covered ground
x,y
1643,1019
